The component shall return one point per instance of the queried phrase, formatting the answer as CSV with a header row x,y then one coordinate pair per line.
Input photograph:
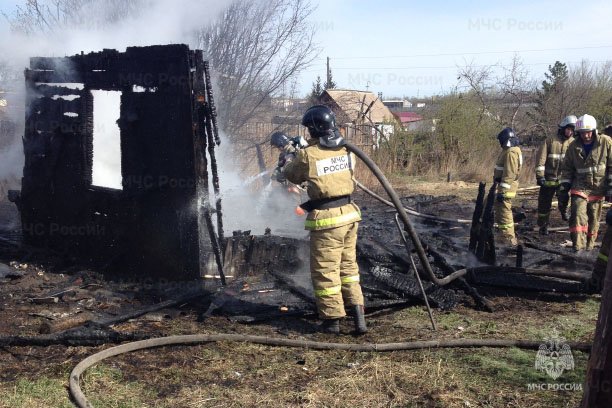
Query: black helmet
x,y
319,119
279,139
507,135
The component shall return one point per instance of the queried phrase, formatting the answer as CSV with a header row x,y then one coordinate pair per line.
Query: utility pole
x,y
598,389
328,73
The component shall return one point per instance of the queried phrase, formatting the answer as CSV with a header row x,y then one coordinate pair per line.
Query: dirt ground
x,y
242,374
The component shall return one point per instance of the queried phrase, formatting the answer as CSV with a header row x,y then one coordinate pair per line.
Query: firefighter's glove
x,y
497,179
278,175
565,187
500,197
285,158
540,181
299,142
609,217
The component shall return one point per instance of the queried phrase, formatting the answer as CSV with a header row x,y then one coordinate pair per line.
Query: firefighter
x,y
586,176
549,156
595,283
282,142
327,168
286,145
506,174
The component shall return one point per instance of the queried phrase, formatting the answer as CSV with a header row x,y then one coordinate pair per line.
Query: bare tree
x,y
516,91
477,80
255,48
46,16
503,98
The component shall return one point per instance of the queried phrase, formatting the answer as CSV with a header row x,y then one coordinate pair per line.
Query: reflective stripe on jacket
x,y
507,170
328,173
590,175
549,157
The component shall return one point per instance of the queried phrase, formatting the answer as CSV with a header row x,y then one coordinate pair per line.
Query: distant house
x,y
398,104
356,107
409,120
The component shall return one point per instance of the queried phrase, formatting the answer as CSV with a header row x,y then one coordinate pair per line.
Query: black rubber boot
x,y
330,326
359,318
564,215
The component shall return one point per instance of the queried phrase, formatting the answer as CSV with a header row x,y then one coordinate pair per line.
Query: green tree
x,y
317,90
554,99
329,82
556,77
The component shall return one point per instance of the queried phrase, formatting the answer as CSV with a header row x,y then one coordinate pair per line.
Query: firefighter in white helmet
x,y
586,175
506,174
549,157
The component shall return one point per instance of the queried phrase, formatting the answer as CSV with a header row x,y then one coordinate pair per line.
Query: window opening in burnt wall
x,y
106,139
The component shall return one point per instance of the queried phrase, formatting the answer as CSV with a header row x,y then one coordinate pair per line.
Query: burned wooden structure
x,y
157,220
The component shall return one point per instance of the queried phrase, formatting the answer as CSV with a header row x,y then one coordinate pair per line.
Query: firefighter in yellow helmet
x,y
586,175
549,157
327,168
595,284
506,174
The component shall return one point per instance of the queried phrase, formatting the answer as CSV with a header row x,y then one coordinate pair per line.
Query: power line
x,y
449,66
470,53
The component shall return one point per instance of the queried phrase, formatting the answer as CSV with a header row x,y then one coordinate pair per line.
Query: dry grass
x,y
245,375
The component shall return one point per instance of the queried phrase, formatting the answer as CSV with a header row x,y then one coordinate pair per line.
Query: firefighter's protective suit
x,y
588,179
332,220
507,170
548,161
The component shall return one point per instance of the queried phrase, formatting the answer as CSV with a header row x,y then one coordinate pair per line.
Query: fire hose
x,y
405,220
193,339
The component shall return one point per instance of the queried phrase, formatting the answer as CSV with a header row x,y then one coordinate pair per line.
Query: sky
x,y
410,48
414,49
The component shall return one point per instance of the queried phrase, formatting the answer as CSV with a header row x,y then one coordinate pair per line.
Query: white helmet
x,y
586,123
568,121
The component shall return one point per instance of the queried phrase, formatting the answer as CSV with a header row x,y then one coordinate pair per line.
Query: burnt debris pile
x,y
138,203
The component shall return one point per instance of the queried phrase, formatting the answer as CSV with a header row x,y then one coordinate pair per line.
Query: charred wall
x,y
150,225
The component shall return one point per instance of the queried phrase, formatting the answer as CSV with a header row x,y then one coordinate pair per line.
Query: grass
x,y
42,392
241,374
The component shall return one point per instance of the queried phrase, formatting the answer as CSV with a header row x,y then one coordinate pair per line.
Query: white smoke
x,y
158,22
256,203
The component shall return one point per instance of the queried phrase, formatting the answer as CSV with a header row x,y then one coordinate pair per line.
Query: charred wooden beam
x,y
408,286
82,336
476,217
485,246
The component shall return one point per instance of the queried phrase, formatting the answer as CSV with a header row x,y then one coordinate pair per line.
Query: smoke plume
x,y
96,26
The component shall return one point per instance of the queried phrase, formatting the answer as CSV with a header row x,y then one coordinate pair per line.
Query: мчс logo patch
x,y
333,165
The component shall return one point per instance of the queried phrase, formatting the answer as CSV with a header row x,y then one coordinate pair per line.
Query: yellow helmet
x,y
586,123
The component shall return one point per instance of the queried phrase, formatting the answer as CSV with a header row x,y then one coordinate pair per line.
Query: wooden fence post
x,y
598,388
